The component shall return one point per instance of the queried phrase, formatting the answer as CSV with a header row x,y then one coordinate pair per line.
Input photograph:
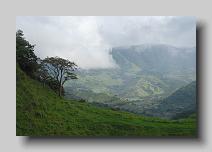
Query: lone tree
x,y
61,70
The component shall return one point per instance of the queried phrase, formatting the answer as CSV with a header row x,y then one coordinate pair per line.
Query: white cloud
x,y
87,39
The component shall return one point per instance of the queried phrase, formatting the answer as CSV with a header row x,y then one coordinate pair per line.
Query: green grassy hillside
x,y
40,112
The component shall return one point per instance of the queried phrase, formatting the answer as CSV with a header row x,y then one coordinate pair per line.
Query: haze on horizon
x,y
87,40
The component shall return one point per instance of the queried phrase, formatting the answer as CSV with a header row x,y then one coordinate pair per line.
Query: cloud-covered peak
x,y
88,39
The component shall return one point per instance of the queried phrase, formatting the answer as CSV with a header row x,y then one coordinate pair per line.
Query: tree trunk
x,y
44,85
61,86
60,91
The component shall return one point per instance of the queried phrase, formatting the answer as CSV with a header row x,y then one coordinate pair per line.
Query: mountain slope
x,y
144,70
145,75
155,58
40,112
179,104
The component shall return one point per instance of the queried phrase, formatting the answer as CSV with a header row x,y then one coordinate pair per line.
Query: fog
x,y
87,40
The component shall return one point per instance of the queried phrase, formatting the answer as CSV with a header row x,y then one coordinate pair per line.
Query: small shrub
x,y
82,100
39,114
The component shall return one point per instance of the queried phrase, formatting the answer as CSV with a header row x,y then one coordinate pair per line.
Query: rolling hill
x,y
40,112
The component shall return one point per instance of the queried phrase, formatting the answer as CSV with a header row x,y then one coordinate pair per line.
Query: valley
x,y
144,76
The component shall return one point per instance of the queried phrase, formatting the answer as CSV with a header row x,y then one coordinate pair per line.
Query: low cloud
x,y
88,39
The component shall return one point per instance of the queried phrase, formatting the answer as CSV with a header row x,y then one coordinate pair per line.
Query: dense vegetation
x,y
53,71
41,112
25,55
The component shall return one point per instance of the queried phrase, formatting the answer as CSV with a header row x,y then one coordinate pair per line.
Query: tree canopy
x,y
60,70
25,55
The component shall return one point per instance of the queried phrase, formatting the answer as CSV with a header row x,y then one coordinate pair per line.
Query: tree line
x,y
51,71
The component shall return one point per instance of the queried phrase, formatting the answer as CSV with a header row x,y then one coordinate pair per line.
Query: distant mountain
x,y
144,70
156,58
145,74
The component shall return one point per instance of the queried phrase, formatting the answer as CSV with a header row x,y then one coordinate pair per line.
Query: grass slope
x,y
40,112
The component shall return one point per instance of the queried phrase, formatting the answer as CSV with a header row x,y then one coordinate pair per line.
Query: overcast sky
x,y
88,39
